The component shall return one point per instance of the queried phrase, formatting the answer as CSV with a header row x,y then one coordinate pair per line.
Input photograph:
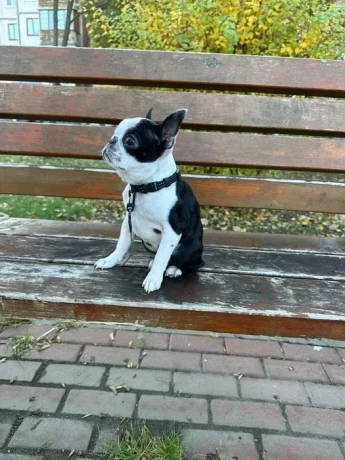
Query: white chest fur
x,y
151,213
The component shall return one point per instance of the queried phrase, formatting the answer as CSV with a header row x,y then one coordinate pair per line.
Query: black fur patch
x,y
184,218
150,145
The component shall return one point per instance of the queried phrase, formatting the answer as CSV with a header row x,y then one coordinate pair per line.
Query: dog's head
x,y
138,143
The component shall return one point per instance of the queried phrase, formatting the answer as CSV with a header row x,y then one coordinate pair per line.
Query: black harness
x,y
146,188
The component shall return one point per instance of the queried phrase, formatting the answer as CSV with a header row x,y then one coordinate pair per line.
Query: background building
x,y
31,23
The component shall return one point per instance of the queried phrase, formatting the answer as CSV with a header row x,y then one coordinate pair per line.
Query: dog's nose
x,y
113,140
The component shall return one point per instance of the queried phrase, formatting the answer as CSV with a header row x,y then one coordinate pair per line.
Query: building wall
x,y
25,9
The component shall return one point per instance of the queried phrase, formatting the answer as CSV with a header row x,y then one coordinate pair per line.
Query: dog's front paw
x,y
107,262
153,281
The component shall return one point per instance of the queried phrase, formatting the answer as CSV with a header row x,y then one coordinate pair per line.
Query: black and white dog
x,y
161,208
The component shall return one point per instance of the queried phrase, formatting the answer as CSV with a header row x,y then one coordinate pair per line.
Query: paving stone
x,y
311,353
36,330
5,428
5,350
106,436
247,414
96,402
35,432
140,379
336,373
290,448
110,355
253,348
137,339
90,335
18,371
56,352
173,409
30,398
326,422
73,374
205,384
232,365
326,395
201,444
173,360
20,457
181,342
283,390
295,370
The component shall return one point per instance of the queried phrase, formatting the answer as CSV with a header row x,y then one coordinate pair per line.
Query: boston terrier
x,y
161,208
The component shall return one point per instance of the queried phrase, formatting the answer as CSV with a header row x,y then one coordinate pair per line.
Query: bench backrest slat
x,y
178,70
256,130
210,190
192,148
206,111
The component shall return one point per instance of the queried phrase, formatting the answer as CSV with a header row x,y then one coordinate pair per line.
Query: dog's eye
x,y
131,140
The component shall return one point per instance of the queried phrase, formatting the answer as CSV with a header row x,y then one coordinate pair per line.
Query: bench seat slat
x,y
209,301
218,259
192,148
244,192
205,110
95,230
179,70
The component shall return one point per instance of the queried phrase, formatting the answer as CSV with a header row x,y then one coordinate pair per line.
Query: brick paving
x,y
243,398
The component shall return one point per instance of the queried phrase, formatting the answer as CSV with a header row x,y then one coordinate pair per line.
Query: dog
x,y
162,209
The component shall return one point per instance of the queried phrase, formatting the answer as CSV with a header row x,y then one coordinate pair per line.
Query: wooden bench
x,y
251,283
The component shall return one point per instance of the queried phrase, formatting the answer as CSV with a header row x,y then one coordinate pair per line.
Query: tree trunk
x,y
68,22
56,23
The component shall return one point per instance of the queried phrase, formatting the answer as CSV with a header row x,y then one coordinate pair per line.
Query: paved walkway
x,y
245,398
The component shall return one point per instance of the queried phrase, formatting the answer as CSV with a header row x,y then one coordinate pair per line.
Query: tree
x,y
300,28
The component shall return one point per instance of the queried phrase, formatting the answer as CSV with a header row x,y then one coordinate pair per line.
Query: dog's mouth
x,y
112,159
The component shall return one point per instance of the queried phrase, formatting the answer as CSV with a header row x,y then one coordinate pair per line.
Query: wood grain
x,y
226,303
92,230
192,148
218,259
174,69
210,190
205,110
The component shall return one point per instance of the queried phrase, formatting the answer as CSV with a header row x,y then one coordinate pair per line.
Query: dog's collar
x,y
156,186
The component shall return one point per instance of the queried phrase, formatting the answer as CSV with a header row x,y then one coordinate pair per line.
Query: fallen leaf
x,y
86,415
47,444
343,360
63,385
123,386
113,389
128,362
130,344
238,375
214,335
71,453
291,368
43,347
189,345
112,336
3,360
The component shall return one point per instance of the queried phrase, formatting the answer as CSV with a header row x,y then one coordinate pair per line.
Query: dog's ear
x,y
171,125
149,114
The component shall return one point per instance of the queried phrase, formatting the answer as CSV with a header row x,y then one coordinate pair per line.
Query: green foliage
x,y
298,28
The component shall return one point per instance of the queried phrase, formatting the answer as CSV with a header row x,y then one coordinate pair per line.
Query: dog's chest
x,y
151,213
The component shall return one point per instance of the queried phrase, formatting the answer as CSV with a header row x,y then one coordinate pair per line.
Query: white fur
x,y
151,210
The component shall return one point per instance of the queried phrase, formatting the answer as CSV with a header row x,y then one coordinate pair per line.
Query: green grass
x,y
22,345
10,322
142,444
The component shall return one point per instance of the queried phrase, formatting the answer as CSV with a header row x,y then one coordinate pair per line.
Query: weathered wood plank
x,y
92,230
227,303
218,259
210,190
224,111
174,69
192,148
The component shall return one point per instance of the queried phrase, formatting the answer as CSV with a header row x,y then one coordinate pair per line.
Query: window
x,y
33,26
11,2
47,19
12,32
